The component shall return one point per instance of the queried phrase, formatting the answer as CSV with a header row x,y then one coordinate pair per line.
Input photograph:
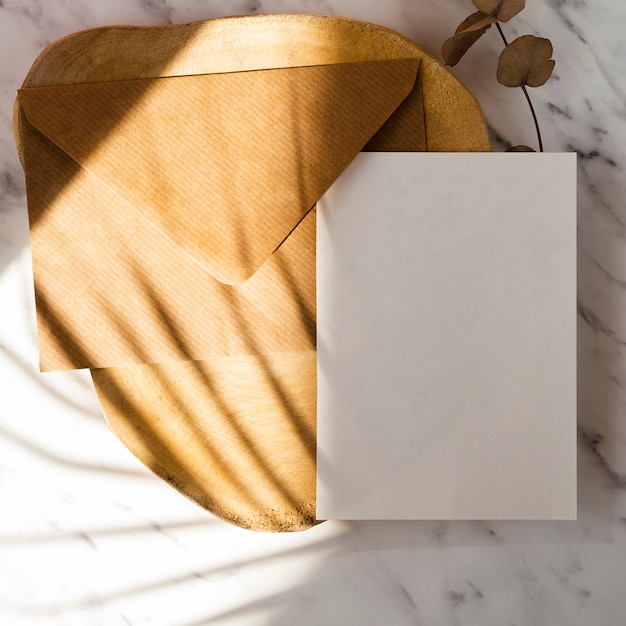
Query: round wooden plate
x,y
237,435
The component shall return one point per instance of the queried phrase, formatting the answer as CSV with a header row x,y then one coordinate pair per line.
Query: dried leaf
x,y
473,22
520,149
525,61
469,31
503,10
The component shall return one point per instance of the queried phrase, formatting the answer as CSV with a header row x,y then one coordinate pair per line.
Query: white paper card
x,y
446,337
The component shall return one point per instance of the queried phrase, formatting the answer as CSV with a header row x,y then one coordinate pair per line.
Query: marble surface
x,y
87,536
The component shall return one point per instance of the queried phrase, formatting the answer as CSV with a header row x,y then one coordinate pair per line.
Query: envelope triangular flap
x,y
225,165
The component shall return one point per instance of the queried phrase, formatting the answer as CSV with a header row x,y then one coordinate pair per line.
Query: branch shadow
x,y
266,464
49,455
207,573
97,533
40,381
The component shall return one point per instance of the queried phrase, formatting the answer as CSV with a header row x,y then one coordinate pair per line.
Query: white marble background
x,y
88,537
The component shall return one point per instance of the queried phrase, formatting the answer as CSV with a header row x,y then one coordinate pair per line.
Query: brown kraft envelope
x,y
186,193
173,243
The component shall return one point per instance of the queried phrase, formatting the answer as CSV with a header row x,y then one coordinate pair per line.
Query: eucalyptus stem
x,y
523,87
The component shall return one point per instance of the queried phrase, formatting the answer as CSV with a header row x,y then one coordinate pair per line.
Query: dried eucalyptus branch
x,y
525,62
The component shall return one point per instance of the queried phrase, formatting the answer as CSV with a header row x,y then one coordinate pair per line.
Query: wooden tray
x,y
237,435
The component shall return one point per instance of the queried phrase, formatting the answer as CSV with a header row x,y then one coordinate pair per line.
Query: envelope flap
x,y
225,165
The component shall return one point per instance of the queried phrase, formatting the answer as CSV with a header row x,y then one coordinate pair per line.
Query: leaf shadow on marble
x,y
157,453
93,534
157,585
49,454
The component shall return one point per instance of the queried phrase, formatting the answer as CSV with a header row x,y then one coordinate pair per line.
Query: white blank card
x,y
446,336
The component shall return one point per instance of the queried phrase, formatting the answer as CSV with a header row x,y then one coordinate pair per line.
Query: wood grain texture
x,y
237,435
